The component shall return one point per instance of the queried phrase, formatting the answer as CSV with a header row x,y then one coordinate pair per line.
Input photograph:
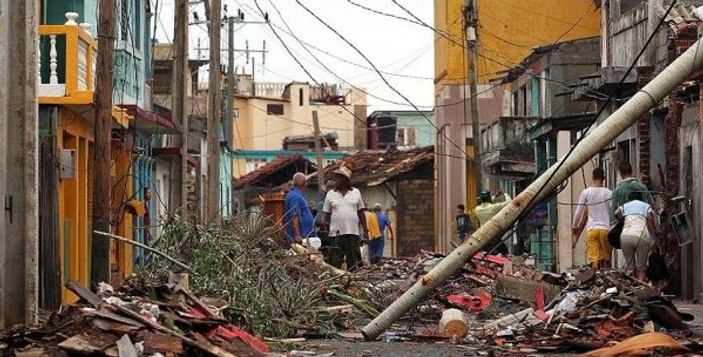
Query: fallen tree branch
x,y
145,247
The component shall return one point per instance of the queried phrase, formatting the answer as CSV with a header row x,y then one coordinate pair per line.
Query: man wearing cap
x,y
343,213
488,208
376,244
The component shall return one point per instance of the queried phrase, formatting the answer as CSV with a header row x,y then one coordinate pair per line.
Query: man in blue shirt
x,y
376,245
299,221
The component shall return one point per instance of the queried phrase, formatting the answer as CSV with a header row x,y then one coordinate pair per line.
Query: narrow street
x,y
289,178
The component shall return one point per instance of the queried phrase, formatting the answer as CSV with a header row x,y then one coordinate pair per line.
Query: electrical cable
x,y
313,78
342,59
324,66
530,203
460,149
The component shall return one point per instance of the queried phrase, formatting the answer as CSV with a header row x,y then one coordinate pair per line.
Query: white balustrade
x,y
53,61
39,62
71,18
84,51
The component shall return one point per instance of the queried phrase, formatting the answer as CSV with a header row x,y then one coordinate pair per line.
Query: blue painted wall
x,y
143,179
226,194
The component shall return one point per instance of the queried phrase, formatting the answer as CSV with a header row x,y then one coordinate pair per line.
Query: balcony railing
x,y
67,58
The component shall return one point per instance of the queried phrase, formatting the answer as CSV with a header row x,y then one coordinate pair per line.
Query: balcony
x,y
508,153
67,60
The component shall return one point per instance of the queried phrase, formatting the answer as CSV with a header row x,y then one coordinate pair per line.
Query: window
x,y
274,109
300,97
254,164
329,162
405,136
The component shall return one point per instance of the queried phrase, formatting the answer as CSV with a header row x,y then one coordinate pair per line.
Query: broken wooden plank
x,y
207,346
114,317
85,344
111,326
161,343
126,348
34,352
194,299
84,293
204,346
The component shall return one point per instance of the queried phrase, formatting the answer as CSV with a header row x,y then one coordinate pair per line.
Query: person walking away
x,y
367,253
628,185
343,213
299,221
376,246
636,239
462,223
487,209
593,214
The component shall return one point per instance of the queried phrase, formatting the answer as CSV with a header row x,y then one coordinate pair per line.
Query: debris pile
x,y
267,291
174,323
593,310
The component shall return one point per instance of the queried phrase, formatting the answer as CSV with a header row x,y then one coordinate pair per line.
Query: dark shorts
x,y
345,248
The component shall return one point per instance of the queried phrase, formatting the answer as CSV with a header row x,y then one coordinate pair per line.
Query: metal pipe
x,y
600,137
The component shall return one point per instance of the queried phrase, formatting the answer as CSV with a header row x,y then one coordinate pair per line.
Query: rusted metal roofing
x,y
276,172
372,168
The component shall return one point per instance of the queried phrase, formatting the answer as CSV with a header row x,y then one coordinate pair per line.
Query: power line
x,y
379,73
325,67
341,58
603,107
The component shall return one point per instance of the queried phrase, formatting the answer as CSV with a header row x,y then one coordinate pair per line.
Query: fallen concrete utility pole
x,y
600,137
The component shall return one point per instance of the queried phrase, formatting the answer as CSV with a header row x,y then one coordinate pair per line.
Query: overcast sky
x,y
393,45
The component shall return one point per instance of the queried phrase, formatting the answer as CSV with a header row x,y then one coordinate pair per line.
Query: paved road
x,y
344,348
392,349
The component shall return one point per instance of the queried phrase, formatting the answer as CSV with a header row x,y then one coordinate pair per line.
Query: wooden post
x,y
100,253
214,116
318,155
180,73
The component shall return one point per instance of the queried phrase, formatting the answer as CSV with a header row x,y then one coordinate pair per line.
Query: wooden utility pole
x,y
102,181
178,95
214,116
231,83
318,154
19,220
471,24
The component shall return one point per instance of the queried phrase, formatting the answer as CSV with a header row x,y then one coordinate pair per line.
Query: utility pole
x,y
471,24
19,220
214,116
178,95
231,82
100,252
318,155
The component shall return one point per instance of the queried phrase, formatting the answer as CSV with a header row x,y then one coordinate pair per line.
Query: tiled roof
x,y
275,172
372,168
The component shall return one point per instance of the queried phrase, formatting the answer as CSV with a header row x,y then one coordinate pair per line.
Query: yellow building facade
x,y
279,110
65,95
507,32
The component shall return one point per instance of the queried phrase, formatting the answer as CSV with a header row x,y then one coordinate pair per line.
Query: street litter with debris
x,y
230,289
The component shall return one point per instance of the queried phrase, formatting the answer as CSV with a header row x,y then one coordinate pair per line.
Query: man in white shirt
x,y
343,214
593,214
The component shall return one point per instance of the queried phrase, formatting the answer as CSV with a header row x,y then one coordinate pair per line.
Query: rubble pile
x,y
481,288
173,323
268,291
593,310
